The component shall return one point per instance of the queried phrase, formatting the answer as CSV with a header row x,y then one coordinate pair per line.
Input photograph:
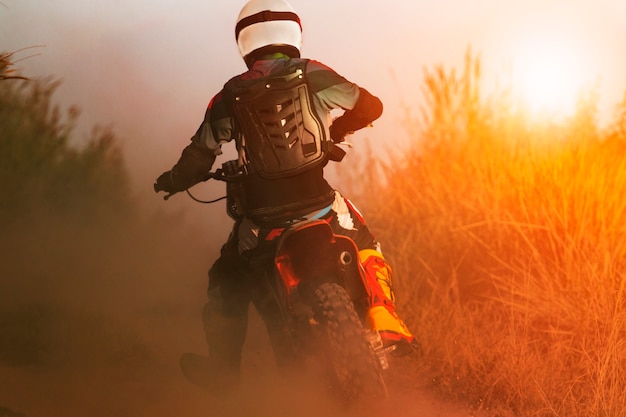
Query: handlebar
x,y
219,175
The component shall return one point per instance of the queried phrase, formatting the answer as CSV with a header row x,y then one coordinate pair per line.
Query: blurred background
x,y
493,180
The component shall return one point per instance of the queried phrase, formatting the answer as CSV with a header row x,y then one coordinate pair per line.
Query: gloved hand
x,y
367,109
338,131
165,182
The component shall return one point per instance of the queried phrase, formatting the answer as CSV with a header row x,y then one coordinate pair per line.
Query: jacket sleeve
x,y
366,109
192,166
336,92
198,157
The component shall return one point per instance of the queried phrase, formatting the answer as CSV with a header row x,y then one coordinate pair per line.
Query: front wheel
x,y
355,369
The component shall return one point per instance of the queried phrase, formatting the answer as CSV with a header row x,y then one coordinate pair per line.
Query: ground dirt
x,y
148,383
96,330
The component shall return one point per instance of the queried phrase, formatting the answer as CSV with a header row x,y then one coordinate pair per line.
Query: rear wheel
x,y
355,369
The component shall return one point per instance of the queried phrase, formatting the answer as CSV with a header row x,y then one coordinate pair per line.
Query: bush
x,y
41,173
63,211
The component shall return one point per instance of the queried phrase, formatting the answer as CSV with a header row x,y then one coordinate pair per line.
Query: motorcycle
x,y
317,282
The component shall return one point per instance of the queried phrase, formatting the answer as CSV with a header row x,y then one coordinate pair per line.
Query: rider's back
x,y
268,193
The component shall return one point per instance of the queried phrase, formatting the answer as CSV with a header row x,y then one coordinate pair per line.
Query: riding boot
x,y
225,334
381,315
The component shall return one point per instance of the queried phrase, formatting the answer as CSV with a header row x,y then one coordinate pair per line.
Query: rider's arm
x,y
367,109
194,163
336,92
198,157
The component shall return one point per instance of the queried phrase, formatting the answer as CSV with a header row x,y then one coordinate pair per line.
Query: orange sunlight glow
x,y
550,66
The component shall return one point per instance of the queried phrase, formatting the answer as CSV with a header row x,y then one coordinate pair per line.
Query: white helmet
x,y
268,26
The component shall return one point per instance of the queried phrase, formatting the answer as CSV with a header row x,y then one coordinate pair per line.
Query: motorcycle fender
x,y
310,253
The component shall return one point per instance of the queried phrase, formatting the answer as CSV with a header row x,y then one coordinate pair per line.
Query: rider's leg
x,y
348,221
225,320
225,326
220,371
382,315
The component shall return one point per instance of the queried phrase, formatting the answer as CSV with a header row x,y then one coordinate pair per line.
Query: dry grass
x,y
7,60
507,236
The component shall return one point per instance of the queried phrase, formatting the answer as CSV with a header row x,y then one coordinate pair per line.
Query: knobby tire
x,y
357,370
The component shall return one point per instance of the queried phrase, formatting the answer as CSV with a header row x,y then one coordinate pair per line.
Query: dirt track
x,y
107,344
150,384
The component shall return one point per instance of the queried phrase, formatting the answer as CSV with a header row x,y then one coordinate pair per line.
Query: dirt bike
x,y
318,283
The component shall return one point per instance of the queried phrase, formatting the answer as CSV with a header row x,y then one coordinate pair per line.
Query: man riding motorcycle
x,y
278,115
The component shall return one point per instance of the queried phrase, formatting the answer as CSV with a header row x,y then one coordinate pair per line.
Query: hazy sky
x,y
149,68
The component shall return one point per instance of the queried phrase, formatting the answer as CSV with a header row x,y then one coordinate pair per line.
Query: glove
x,y
367,109
338,131
165,182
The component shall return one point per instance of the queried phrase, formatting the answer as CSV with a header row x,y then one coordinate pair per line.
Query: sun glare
x,y
550,68
549,78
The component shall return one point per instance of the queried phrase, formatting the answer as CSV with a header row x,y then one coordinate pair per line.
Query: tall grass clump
x,y
7,72
507,236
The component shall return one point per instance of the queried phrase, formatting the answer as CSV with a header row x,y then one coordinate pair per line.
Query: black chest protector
x,y
283,134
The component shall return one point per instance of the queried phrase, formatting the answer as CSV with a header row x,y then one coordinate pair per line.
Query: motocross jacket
x,y
266,192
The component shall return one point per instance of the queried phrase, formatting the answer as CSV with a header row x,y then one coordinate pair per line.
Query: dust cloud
x,y
94,318
93,321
